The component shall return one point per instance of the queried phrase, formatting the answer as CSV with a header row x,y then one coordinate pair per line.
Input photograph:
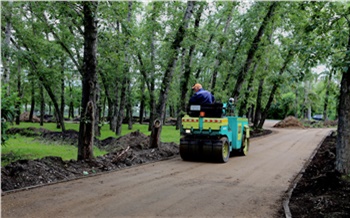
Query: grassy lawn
x,y
20,147
169,133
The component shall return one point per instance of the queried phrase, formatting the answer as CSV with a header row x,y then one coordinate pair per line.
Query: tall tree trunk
x,y
42,79
142,102
129,110
168,75
207,49
126,80
258,109
32,105
274,88
62,89
58,124
71,105
218,59
244,105
151,84
19,95
97,126
121,113
326,97
47,87
250,88
253,48
187,70
296,103
114,109
6,48
343,138
232,63
42,105
88,102
110,102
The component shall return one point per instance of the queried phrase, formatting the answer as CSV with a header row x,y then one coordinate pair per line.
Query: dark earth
x,y
321,191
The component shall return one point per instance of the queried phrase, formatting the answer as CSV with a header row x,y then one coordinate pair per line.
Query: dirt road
x,y
250,186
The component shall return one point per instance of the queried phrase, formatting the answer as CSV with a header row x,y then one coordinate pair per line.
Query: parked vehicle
x,y
318,117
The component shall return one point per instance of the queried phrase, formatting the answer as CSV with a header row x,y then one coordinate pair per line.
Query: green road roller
x,y
211,132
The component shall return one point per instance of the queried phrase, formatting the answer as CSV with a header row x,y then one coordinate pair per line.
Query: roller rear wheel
x,y
184,153
245,146
222,152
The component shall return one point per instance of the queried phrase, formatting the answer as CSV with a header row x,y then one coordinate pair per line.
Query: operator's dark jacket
x,y
202,97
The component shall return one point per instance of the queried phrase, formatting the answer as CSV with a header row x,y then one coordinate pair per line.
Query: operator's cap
x,y
197,85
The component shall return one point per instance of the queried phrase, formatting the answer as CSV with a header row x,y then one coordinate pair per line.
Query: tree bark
x,y
343,137
187,70
97,126
42,79
253,48
155,135
219,57
326,97
88,102
19,95
121,114
274,88
232,64
142,102
6,48
168,75
32,104
207,49
42,105
71,105
258,109
62,89
244,104
126,80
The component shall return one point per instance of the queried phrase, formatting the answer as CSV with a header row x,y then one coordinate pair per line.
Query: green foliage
x,y
7,112
46,33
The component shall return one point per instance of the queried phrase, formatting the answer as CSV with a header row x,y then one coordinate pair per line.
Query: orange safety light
x,y
202,114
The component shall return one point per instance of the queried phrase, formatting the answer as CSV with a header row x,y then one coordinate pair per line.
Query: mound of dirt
x,y
137,140
30,131
129,150
289,122
25,117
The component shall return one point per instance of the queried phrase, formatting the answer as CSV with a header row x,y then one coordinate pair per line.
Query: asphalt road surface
x,y
250,186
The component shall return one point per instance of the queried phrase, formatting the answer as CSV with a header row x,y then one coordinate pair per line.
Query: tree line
x,y
106,57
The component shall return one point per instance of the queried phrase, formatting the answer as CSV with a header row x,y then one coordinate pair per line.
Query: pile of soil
x,y
289,122
25,117
321,191
129,150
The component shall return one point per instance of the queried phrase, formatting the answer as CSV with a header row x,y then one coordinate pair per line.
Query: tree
x,y
160,112
343,138
88,102
254,47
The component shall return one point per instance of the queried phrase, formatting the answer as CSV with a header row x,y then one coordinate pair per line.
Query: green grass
x,y
20,147
169,133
